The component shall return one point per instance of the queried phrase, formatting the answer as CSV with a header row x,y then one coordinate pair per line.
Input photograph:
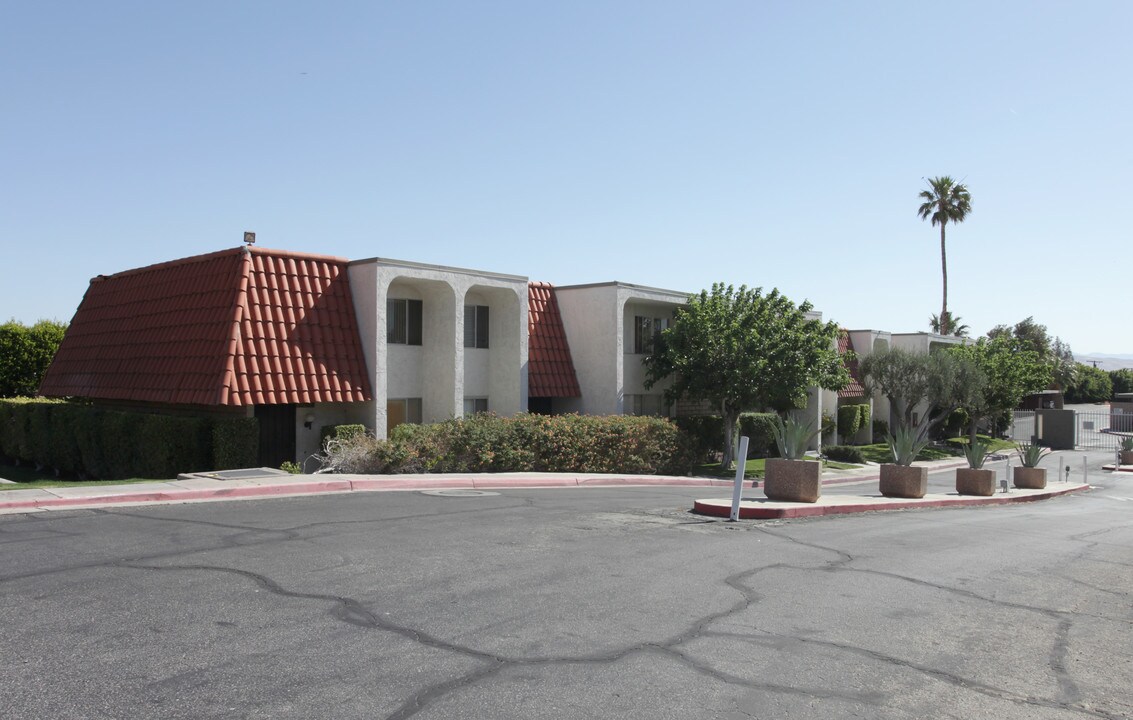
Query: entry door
x,y
277,434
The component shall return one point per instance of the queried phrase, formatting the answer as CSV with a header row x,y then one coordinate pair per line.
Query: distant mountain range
x,y
1105,361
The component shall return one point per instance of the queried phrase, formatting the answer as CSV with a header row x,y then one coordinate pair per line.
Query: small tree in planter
x,y
789,478
900,478
1030,475
974,479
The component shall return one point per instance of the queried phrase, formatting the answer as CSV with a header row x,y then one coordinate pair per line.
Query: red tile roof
x,y
550,370
854,389
247,326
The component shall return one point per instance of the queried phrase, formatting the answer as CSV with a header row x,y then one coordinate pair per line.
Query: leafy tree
x,y
25,353
1122,380
1089,385
1012,369
1052,351
742,350
934,384
952,322
946,201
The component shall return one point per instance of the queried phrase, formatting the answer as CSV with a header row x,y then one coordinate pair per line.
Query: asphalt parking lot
x,y
567,603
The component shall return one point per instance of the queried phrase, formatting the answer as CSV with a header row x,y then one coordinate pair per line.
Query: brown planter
x,y
1030,478
792,480
904,481
1127,457
970,481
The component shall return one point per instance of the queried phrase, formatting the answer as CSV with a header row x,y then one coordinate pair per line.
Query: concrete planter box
x,y
970,481
904,481
792,480
1127,457
1030,478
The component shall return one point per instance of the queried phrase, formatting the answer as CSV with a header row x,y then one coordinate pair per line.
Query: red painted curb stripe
x,y
722,508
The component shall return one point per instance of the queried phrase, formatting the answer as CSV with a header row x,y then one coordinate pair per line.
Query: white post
x,y
1085,472
1060,461
737,489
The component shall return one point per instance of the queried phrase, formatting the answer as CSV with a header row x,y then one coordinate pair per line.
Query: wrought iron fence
x,y
1101,430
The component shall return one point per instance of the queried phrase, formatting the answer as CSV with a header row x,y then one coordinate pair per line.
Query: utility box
x,y
1055,428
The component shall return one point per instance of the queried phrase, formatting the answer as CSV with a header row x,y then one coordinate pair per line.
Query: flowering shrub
x,y
533,443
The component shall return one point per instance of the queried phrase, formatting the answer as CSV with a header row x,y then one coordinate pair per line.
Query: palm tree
x,y
945,201
956,328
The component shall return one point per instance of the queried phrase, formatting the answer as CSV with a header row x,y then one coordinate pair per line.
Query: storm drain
x,y
458,492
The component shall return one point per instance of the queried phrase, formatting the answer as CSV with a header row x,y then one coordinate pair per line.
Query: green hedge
x,y
851,419
527,442
78,439
844,453
235,443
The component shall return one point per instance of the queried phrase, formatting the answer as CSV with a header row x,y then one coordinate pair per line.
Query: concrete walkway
x,y
266,483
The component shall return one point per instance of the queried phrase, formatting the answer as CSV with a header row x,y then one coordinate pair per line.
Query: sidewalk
x,y
267,483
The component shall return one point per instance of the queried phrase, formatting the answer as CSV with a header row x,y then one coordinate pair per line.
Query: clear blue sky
x,y
772,144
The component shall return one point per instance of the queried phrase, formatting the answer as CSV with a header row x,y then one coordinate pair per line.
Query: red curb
x,y
723,508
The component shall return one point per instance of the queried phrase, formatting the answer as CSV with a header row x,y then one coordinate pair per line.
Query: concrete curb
x,y
325,487
759,509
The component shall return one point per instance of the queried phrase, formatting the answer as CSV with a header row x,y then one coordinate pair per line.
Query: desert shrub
x,y
527,442
844,453
235,442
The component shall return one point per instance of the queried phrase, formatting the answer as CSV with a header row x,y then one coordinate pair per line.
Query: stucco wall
x,y
438,371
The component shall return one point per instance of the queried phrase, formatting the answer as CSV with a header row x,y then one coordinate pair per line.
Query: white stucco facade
x,y
441,373
599,320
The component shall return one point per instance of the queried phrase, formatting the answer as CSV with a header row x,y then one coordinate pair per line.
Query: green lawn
x,y
994,444
754,469
880,453
26,477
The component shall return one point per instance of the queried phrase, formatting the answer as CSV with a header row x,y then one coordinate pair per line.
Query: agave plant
x,y
976,454
792,437
1031,453
1127,444
906,443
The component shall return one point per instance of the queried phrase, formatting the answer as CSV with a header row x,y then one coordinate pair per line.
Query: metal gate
x,y
1101,430
1092,430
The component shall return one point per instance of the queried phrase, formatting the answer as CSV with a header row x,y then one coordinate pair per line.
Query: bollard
x,y
1085,472
737,490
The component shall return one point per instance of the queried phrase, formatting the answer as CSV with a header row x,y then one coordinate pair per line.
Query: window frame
x,y
404,321
477,324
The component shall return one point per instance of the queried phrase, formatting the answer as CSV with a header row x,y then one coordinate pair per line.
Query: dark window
x,y
646,331
475,326
475,405
403,321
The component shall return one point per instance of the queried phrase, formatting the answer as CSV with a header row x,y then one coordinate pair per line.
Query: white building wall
x,y
438,371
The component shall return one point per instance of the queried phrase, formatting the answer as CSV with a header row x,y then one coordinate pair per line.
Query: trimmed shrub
x,y
851,419
80,439
844,453
341,432
235,443
526,442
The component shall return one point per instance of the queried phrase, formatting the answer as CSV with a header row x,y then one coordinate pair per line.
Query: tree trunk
x,y
729,432
945,321
972,432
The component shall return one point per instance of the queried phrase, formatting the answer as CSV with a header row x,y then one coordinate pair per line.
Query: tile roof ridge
x,y
170,263
295,254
